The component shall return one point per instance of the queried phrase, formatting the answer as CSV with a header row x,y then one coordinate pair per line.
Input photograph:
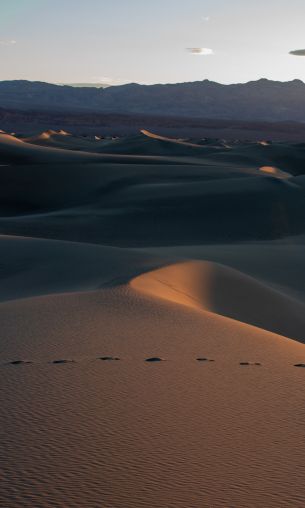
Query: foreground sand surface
x,y
150,247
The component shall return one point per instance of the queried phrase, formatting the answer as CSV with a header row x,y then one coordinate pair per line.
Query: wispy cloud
x,y
297,52
6,42
200,51
206,18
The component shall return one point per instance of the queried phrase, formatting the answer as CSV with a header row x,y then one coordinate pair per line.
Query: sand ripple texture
x,y
170,434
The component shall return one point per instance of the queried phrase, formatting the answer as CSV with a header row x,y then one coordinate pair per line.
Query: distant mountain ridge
x,y
257,100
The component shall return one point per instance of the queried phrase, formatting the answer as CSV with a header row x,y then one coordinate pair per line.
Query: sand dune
x,y
228,292
19,152
47,135
128,423
9,139
52,267
152,304
151,203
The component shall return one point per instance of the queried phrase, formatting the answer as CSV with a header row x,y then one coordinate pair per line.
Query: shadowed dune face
x,y
153,190
18,151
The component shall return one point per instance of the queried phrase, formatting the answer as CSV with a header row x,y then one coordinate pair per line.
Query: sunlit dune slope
x,y
277,173
228,292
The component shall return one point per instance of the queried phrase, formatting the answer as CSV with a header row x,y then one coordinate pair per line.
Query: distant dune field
x,y
186,252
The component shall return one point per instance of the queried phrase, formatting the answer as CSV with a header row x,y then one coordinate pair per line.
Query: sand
x,y
116,252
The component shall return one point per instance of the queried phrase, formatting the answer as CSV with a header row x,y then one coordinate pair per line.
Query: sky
x,y
151,41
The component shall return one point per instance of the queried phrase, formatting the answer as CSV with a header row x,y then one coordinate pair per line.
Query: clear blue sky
x,y
146,41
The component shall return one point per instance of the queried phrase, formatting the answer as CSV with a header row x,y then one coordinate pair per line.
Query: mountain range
x,y
257,100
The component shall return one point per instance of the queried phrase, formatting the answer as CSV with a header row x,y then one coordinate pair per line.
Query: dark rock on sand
x,y
249,363
19,362
62,361
108,358
154,359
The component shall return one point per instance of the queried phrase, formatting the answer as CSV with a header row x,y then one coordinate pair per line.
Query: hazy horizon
x,y
106,85
163,42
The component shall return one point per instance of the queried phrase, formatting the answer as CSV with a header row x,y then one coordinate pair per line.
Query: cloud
x,y
200,51
206,18
4,42
297,52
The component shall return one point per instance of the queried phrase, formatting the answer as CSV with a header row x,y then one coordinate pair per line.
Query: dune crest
x,y
171,140
215,288
48,134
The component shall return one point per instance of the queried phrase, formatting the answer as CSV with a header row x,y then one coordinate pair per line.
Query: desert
x,y
152,321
